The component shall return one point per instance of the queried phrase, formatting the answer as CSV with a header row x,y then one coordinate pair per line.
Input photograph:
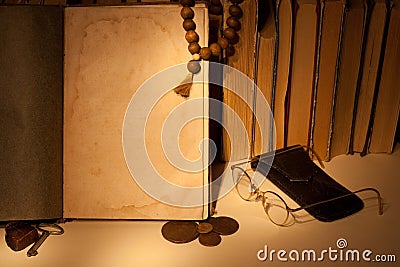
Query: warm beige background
x,y
140,243
109,53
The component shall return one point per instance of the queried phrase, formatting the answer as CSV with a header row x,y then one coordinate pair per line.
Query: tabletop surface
x,y
140,243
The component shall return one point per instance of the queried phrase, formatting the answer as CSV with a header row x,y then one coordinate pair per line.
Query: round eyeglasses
x,y
275,207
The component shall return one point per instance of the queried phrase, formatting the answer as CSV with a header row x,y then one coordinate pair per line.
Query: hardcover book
x,y
332,14
369,75
300,91
388,102
69,75
351,54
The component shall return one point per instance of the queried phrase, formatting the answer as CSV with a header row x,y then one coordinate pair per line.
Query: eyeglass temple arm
x,y
380,206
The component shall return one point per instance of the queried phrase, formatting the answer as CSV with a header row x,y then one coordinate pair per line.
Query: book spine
x,y
368,5
336,78
234,147
377,82
263,126
295,7
274,76
384,134
256,50
320,16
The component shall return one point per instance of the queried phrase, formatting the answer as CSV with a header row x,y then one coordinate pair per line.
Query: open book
x,y
68,78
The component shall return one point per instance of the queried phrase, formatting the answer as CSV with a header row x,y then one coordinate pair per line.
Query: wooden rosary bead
x,y
223,42
205,53
230,51
230,37
235,11
215,9
191,36
234,40
187,13
196,56
193,66
188,3
194,48
236,1
215,49
229,33
189,24
215,2
233,23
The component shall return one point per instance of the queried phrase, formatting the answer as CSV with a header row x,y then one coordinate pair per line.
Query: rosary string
x,y
224,45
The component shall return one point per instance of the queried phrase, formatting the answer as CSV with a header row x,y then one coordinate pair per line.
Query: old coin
x,y
210,239
204,228
180,231
224,225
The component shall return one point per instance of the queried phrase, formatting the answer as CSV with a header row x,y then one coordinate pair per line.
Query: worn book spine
x,y
235,145
316,72
273,127
284,29
255,126
288,92
378,78
265,61
388,102
336,80
368,5
369,75
325,80
350,60
299,95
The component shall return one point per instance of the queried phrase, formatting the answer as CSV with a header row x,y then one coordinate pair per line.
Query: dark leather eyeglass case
x,y
294,173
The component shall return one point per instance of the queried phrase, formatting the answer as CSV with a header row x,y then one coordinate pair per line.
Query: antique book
x,y
299,95
329,40
388,102
264,56
284,22
254,57
351,51
235,146
369,75
71,120
266,78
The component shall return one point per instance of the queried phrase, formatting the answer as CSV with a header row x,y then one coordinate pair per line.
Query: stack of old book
x,y
328,69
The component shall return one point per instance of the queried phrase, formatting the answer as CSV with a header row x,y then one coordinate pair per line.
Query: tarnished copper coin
x,y
224,225
204,228
180,231
210,239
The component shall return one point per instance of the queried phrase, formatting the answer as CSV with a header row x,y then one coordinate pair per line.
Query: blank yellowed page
x,y
109,53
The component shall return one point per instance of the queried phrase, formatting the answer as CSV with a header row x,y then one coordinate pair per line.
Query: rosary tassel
x,y
184,87
193,66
